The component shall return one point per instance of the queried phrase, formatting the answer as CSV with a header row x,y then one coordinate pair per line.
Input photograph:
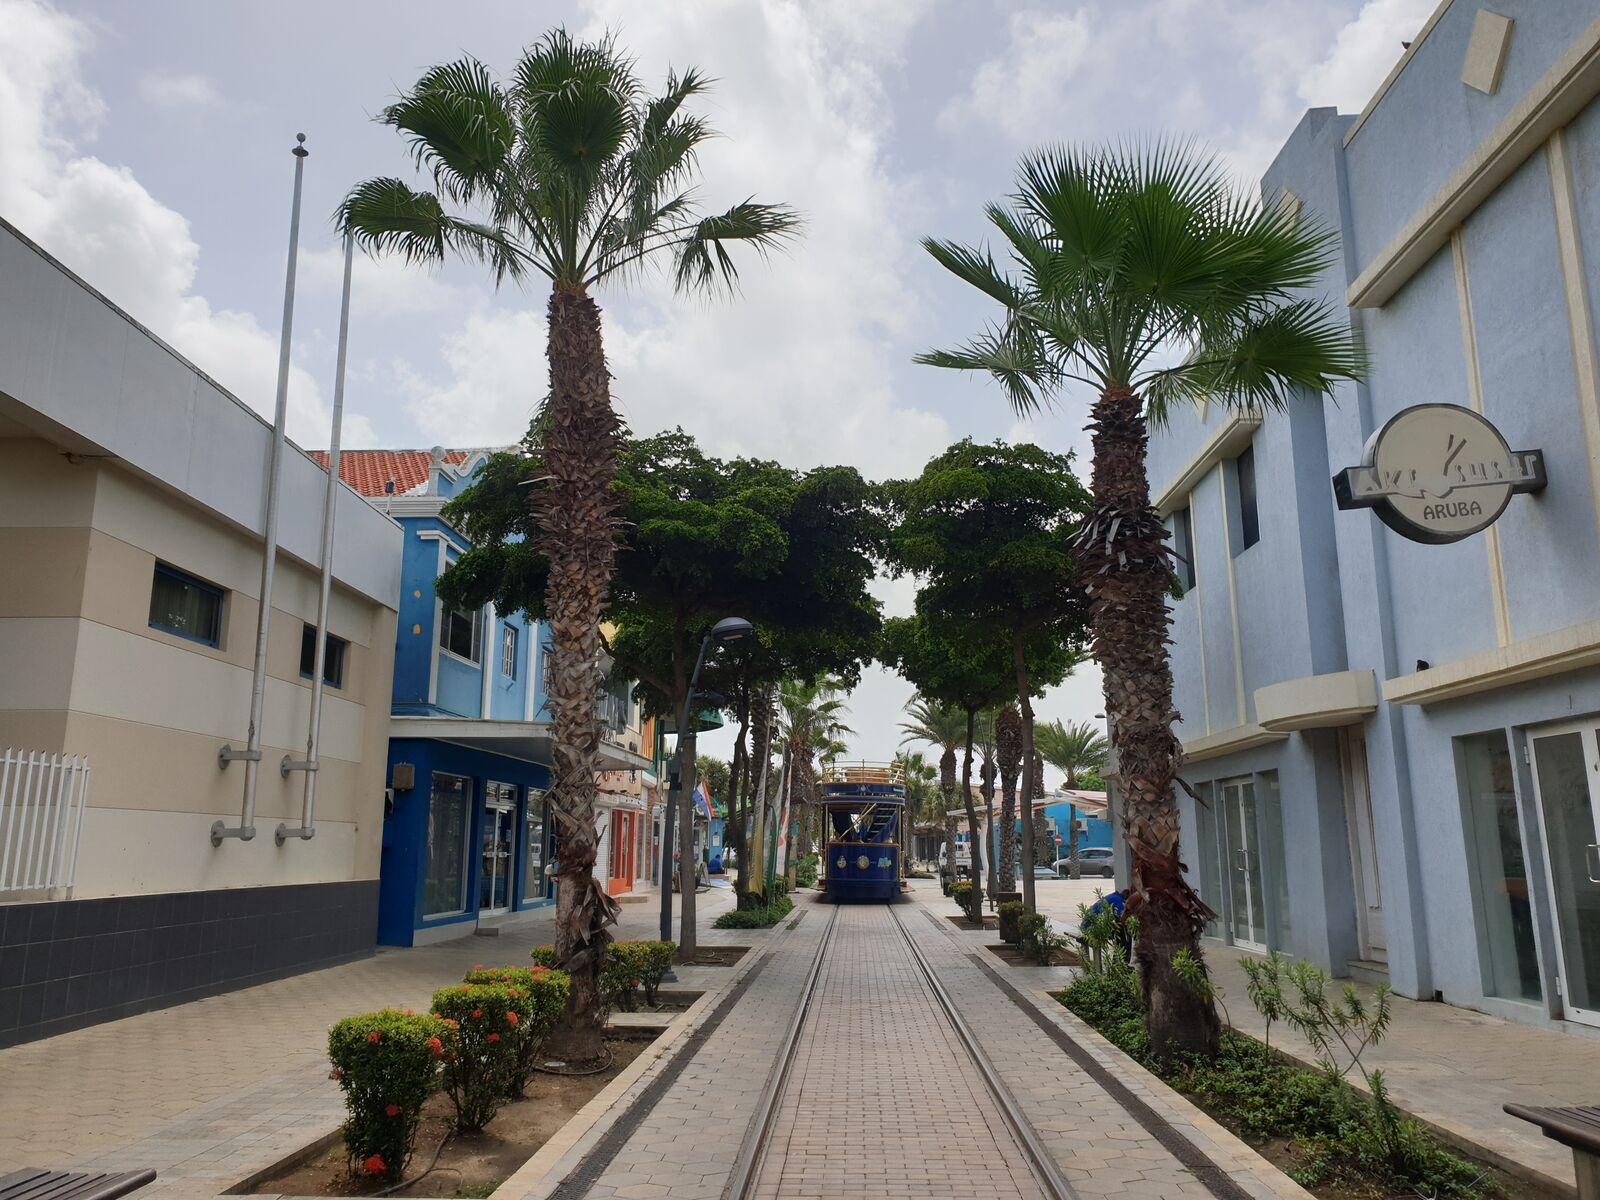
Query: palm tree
x,y
945,726
1075,748
1140,273
565,171
922,796
810,721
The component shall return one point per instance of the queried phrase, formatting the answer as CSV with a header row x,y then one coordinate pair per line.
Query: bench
x,y
31,1183
1577,1128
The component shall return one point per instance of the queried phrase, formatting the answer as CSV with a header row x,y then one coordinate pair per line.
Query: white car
x,y
1092,860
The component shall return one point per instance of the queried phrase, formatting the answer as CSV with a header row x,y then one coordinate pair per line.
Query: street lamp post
x,y
680,791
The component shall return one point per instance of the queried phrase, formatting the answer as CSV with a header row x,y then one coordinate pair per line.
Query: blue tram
x,y
862,804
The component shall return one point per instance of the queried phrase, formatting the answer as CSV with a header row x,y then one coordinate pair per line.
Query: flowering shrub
x,y
544,956
387,1064
540,996
630,965
482,1065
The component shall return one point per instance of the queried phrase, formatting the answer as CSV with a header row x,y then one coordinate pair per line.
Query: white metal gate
x,y
42,798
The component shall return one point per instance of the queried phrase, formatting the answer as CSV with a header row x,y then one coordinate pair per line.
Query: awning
x,y
530,741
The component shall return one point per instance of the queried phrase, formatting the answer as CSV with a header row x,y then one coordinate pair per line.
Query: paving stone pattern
x,y
685,1147
1101,1148
210,1092
883,1099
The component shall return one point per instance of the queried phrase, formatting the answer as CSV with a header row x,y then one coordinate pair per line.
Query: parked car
x,y
1092,860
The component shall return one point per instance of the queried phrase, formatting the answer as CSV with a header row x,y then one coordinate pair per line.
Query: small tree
x,y
1079,749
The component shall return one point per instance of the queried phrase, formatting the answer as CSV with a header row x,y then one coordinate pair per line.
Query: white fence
x,y
41,816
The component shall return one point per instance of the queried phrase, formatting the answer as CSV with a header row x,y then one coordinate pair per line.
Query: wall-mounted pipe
x,y
251,754
330,504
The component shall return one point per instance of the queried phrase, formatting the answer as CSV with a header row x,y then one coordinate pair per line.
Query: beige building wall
x,y
82,672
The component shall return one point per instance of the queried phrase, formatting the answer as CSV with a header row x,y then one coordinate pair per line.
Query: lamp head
x,y
731,629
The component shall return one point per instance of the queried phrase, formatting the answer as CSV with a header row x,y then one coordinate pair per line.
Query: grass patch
x,y
1327,1137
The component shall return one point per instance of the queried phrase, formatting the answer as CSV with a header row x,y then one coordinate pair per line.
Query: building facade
x,y
1394,740
132,501
468,835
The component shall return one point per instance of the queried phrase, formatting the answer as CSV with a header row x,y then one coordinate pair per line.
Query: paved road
x,y
882,1100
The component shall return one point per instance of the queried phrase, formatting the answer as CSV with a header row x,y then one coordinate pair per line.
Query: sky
x,y
147,147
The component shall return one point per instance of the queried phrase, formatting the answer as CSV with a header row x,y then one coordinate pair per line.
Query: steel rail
x,y
1040,1161
753,1149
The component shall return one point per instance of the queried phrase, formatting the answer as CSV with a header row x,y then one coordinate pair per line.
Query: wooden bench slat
x,y
34,1184
1577,1126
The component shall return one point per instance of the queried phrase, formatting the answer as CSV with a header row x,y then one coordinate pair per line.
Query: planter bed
x,y
962,922
714,956
470,1164
1280,1107
1014,957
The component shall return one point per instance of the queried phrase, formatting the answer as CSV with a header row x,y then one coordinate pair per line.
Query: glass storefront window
x,y
1273,865
1210,881
445,881
1497,866
534,884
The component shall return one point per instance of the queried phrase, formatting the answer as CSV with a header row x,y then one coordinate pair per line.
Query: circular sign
x,y
1438,473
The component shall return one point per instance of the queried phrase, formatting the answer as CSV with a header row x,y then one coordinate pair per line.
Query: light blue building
x,y
1396,738
467,833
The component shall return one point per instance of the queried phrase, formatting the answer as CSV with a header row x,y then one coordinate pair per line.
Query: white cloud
x,y
1097,72
188,92
1363,53
106,226
498,378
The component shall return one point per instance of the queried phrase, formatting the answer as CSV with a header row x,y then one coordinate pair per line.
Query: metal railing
x,y
42,798
863,772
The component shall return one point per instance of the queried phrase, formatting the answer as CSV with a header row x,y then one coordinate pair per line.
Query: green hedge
x,y
1009,911
640,964
545,994
756,918
387,1065
805,871
961,893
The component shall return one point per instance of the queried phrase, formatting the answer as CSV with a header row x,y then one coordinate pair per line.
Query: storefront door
x,y
499,847
534,885
621,857
1363,846
1566,769
1244,864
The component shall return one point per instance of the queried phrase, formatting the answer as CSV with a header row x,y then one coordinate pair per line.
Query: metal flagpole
x,y
330,505
251,754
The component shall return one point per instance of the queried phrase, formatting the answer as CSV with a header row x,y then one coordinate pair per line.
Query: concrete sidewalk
x,y
1450,1067
210,1092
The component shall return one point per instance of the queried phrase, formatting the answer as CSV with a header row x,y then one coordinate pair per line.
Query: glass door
x,y
1566,771
534,884
499,854
1249,919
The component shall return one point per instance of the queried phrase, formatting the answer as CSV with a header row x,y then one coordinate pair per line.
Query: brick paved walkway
x,y
882,1100
210,1092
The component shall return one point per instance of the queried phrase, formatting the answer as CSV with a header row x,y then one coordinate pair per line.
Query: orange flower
x,y
494,1037
374,1038
436,1046
392,1111
479,967
511,1019
409,1013
374,1165
477,1014
336,1074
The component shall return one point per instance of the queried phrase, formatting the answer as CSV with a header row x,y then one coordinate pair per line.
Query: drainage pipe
x,y
330,505
251,755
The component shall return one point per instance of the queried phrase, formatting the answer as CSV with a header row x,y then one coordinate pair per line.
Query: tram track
x,y
753,1151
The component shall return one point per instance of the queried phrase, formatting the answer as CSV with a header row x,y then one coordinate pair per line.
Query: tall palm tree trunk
x,y
1125,561
1074,868
986,774
947,788
576,514
974,833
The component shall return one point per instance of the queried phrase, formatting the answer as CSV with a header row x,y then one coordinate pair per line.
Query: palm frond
x,y
388,217
703,261
458,127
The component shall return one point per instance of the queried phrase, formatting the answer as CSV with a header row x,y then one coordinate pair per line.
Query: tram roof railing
x,y
891,773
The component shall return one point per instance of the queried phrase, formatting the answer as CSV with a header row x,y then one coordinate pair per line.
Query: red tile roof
x,y
367,471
